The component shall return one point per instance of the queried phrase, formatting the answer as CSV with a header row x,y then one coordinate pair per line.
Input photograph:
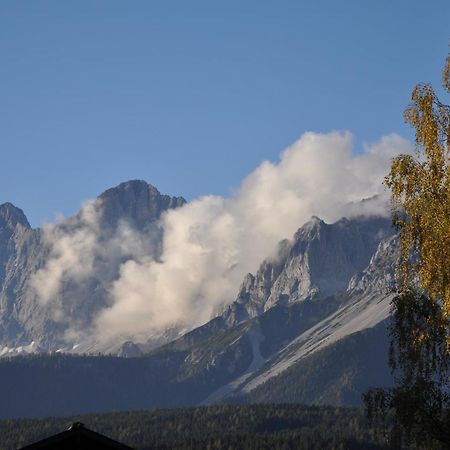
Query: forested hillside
x,y
214,427
337,375
45,385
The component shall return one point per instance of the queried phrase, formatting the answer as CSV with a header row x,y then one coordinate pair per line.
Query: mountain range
x,y
309,326
27,323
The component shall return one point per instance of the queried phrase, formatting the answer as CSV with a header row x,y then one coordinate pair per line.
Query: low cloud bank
x,y
212,242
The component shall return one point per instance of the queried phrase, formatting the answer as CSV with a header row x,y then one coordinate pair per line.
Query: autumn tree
x,y
420,331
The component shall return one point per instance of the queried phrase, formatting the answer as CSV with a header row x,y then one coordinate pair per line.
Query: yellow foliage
x,y
420,188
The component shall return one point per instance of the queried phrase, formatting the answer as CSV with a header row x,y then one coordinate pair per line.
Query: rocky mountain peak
x,y
10,216
25,251
310,229
137,202
319,261
380,273
131,189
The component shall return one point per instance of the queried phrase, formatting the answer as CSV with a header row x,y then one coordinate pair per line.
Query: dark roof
x,y
77,437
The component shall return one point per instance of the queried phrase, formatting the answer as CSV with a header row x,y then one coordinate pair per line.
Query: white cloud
x,y
72,250
79,249
209,244
212,242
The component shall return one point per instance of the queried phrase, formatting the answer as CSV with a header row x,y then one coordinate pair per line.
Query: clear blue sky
x,y
192,95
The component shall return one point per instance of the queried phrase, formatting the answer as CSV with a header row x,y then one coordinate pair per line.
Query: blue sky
x,y
191,96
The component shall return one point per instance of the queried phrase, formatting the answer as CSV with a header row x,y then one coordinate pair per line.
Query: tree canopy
x,y
421,196
420,329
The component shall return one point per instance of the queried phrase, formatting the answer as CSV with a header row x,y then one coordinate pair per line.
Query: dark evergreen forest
x,y
215,427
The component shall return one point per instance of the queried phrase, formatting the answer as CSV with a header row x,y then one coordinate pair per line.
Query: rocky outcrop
x,y
322,268
295,333
24,251
136,202
320,261
309,326
20,255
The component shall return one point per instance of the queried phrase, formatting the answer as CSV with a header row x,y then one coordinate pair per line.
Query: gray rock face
x,y
19,256
319,262
298,330
380,274
13,227
308,326
24,251
10,216
363,305
136,202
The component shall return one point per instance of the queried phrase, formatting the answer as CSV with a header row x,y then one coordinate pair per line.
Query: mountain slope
x,y
319,262
20,255
83,253
364,305
301,327
337,374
